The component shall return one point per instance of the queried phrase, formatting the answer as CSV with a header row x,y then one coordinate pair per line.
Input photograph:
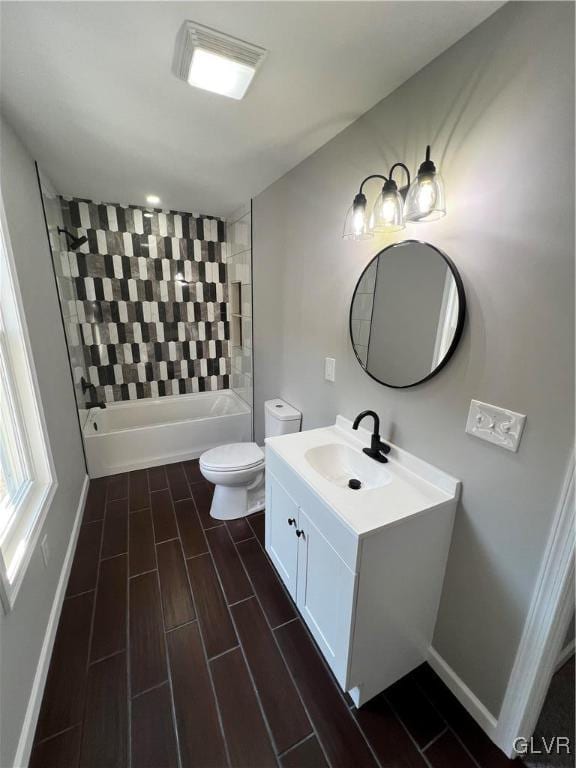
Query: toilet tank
x,y
281,418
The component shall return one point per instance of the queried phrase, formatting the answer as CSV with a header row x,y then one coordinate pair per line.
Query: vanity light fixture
x,y
420,200
214,61
426,200
152,199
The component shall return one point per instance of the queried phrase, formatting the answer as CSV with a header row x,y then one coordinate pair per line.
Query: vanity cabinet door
x,y
325,596
281,541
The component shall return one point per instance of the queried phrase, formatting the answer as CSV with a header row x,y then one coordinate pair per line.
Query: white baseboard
x,y
565,654
465,696
25,742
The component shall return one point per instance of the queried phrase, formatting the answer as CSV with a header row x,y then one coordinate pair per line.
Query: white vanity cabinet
x,y
319,581
369,597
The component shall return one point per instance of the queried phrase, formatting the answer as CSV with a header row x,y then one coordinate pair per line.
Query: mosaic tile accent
x,y
150,298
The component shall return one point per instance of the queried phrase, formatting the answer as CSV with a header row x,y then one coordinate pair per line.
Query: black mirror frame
x,y
459,325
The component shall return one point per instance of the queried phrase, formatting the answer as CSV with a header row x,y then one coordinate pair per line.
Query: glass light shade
x,y
357,224
388,212
425,200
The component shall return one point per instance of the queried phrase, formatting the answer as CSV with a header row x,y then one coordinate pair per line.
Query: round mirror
x,y
407,314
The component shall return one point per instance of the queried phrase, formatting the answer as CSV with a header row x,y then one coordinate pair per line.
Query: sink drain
x,y
354,484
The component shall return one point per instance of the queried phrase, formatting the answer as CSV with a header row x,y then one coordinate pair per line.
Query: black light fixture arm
x,y
427,167
404,168
372,176
395,205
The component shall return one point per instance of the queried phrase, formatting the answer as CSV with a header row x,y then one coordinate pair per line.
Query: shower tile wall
x,y
362,312
151,297
66,288
239,265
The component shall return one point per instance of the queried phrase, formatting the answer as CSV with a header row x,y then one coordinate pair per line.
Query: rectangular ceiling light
x,y
213,61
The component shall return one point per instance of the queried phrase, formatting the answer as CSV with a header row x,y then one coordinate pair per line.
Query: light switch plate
x,y
496,425
330,369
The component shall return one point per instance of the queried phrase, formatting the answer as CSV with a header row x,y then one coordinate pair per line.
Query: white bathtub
x,y
146,433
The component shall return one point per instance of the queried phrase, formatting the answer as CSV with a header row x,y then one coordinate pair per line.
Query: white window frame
x,y
19,536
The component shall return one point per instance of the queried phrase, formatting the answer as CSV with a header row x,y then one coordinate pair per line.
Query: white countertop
x,y
415,485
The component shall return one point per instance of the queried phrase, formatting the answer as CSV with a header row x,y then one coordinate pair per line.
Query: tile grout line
x,y
405,728
445,719
238,602
58,733
201,636
241,541
143,573
434,739
242,651
108,656
223,653
166,653
256,514
133,511
256,693
318,652
301,698
464,747
147,690
80,594
169,675
350,707
118,554
308,633
275,639
200,554
92,620
296,745
128,635
184,624
284,623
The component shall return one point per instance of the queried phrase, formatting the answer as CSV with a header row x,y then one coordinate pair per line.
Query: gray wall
x,y
498,110
22,630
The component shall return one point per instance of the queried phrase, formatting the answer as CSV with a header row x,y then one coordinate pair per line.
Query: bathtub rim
x,y
229,393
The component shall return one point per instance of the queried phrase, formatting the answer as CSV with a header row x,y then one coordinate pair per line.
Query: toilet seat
x,y
232,457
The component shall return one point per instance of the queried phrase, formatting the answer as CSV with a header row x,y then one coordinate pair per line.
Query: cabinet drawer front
x,y
337,533
281,539
326,588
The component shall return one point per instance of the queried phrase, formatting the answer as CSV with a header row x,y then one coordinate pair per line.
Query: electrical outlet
x,y
330,369
45,550
496,425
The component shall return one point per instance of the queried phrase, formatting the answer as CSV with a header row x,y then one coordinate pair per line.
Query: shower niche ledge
x,y
364,565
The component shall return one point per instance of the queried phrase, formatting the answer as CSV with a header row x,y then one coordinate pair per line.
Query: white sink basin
x,y
339,463
326,459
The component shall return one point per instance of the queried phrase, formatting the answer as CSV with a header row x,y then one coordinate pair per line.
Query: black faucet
x,y
90,387
98,404
377,449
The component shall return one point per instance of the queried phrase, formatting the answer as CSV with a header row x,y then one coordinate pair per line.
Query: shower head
x,y
73,242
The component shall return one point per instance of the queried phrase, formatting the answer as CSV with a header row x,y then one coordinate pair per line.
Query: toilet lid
x,y
232,456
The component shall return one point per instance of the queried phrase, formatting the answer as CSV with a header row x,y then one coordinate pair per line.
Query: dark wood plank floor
x,y
178,647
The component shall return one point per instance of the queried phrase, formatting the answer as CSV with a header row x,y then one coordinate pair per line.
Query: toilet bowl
x,y
237,469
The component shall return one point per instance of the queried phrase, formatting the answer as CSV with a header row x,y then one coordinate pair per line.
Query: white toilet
x,y
237,469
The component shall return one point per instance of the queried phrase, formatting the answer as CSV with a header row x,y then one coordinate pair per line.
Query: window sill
x,y
20,541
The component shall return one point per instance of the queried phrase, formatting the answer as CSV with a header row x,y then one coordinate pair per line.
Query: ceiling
x,y
89,89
